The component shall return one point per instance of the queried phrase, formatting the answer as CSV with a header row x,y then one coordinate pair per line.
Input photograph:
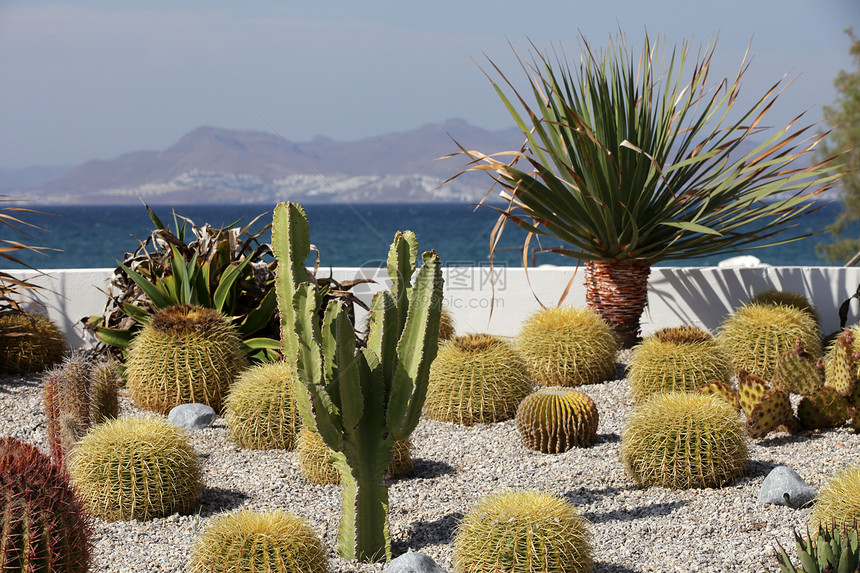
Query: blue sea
x,y
346,235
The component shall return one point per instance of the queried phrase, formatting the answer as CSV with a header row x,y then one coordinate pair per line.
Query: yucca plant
x,y
632,161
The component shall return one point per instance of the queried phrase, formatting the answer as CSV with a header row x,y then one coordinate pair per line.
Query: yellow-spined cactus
x,y
838,502
523,532
261,411
679,359
29,342
778,297
756,335
184,354
555,419
684,440
135,468
567,346
317,465
447,329
267,542
475,379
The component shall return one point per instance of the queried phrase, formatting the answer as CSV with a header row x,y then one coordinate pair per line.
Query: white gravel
x,y
633,529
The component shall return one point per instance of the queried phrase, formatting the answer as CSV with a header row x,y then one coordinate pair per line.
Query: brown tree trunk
x,y
619,293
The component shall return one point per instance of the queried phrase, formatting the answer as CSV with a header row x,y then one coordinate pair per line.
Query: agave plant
x,y
630,162
220,268
228,269
828,551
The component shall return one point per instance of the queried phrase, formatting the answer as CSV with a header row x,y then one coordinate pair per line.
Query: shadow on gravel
x,y
620,371
607,439
584,496
758,468
216,500
423,533
15,382
783,439
601,567
630,514
428,469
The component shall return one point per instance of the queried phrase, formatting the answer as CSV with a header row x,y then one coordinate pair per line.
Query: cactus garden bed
x,y
634,529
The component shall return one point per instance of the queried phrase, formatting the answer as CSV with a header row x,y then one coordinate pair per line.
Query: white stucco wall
x,y
696,296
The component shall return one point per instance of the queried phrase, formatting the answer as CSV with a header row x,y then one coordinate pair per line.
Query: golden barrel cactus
x,y
681,359
684,440
523,532
268,542
136,468
261,411
29,342
567,346
554,420
185,354
476,379
756,335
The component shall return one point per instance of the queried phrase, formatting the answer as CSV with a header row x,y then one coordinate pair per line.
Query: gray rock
x,y
413,562
191,416
783,486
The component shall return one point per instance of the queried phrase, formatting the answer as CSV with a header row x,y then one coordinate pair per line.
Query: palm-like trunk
x,y
618,292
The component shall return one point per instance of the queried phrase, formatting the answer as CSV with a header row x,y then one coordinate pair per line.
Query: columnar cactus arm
x,y
291,245
416,349
401,267
344,368
385,331
318,409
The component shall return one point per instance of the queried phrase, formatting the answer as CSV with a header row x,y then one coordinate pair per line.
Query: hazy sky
x,y
95,79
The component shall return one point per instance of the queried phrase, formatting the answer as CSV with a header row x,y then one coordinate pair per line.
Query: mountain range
x,y
213,165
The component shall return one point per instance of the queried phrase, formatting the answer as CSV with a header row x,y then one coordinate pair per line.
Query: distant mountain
x,y
215,165
17,181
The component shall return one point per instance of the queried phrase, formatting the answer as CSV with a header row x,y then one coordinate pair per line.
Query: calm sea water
x,y
346,235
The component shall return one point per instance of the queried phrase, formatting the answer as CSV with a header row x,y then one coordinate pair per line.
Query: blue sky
x,y
95,79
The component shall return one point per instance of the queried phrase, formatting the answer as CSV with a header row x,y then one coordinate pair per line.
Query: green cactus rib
x,y
359,400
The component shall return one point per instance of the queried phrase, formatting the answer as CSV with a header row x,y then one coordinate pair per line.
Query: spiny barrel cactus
x,y
824,552
678,359
756,335
184,354
567,346
29,342
78,394
316,459
684,440
555,419
136,468
261,410
782,298
268,542
43,527
523,532
476,379
837,505
360,400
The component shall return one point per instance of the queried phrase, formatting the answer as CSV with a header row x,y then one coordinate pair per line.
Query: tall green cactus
x,y
360,400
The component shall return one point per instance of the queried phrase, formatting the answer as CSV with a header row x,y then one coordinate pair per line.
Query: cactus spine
x,y
359,400
78,395
43,525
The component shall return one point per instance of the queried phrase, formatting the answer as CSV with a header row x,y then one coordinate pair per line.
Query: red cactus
x,y
42,523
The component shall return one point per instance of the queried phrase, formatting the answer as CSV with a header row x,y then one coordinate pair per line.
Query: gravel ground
x,y
633,529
